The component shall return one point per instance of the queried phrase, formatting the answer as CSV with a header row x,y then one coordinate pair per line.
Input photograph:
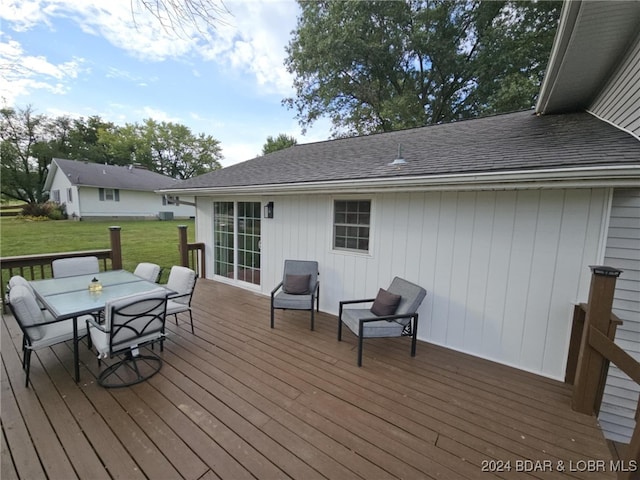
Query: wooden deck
x,y
241,401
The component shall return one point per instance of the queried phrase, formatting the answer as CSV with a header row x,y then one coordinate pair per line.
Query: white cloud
x,y
157,115
23,14
250,39
23,73
253,41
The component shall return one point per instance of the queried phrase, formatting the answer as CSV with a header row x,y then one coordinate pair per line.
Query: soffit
x,y
592,40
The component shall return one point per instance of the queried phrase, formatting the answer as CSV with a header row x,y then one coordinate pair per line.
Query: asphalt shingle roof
x,y
518,141
82,173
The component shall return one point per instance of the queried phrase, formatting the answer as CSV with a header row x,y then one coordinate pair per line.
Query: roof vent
x,y
399,159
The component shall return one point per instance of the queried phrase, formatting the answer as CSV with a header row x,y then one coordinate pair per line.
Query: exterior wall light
x,y
268,210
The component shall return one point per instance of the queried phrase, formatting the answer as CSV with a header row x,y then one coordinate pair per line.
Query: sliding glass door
x,y
237,240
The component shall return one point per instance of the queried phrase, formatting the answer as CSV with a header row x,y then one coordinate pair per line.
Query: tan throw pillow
x,y
296,284
385,303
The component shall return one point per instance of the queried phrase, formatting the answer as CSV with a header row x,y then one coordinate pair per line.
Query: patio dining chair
x,y
68,267
148,271
39,328
20,280
182,281
392,314
299,288
130,323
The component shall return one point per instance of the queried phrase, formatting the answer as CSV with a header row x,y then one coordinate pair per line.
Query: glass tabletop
x,y
53,286
70,297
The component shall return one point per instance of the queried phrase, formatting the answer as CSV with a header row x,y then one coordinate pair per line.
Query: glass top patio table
x,y
53,286
70,297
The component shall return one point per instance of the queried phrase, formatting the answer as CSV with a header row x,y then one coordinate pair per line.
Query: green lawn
x,y
142,241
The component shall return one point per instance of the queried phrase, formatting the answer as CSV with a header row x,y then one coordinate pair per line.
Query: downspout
x,y
604,228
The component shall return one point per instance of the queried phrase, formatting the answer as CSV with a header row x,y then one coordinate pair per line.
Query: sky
x,y
112,59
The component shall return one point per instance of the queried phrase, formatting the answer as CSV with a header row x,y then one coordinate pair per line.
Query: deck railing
x,y
588,363
191,254
35,267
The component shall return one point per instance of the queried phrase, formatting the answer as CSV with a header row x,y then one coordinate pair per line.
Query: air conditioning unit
x,y
165,215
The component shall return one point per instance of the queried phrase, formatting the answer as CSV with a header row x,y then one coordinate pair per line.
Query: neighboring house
x,y
498,218
94,190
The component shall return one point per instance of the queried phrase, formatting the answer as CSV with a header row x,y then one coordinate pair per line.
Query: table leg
x,y
76,355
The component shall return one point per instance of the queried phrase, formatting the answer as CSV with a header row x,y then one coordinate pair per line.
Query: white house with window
x,y
93,190
498,218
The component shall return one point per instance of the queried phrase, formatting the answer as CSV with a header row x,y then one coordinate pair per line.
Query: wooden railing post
x,y
182,246
590,362
116,248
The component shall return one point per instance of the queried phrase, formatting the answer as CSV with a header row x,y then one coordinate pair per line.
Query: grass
x,y
142,240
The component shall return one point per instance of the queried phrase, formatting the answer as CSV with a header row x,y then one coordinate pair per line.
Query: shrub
x,y
50,210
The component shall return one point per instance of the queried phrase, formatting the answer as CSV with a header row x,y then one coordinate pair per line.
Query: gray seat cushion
x,y
379,328
290,301
411,298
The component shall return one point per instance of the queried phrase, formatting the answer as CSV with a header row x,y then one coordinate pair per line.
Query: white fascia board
x,y
584,177
562,40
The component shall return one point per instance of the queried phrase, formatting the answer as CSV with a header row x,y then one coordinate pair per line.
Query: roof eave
x,y
582,177
566,24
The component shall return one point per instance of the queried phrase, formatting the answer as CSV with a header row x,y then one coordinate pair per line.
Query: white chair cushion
x,y
30,315
68,267
26,308
101,338
59,331
174,307
18,280
182,281
148,271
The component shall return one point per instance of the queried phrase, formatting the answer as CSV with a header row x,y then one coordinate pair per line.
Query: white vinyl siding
x,y
619,101
620,399
502,269
132,203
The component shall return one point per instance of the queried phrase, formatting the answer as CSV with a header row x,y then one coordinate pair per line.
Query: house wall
x,y
620,401
502,269
62,185
131,204
619,101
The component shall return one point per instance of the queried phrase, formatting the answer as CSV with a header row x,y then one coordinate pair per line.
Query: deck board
x,y
241,400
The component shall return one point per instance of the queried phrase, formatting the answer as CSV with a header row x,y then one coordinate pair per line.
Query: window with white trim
x,y
351,224
55,196
109,194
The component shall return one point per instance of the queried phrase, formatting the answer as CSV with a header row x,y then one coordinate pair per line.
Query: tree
x,y
281,142
183,16
78,139
381,66
24,137
30,141
171,149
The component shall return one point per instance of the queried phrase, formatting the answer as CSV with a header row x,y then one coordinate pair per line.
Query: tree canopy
x,y
281,142
29,141
380,66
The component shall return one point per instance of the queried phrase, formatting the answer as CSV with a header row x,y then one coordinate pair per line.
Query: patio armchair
x,y
392,314
68,267
300,288
39,328
148,271
20,280
130,323
182,281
